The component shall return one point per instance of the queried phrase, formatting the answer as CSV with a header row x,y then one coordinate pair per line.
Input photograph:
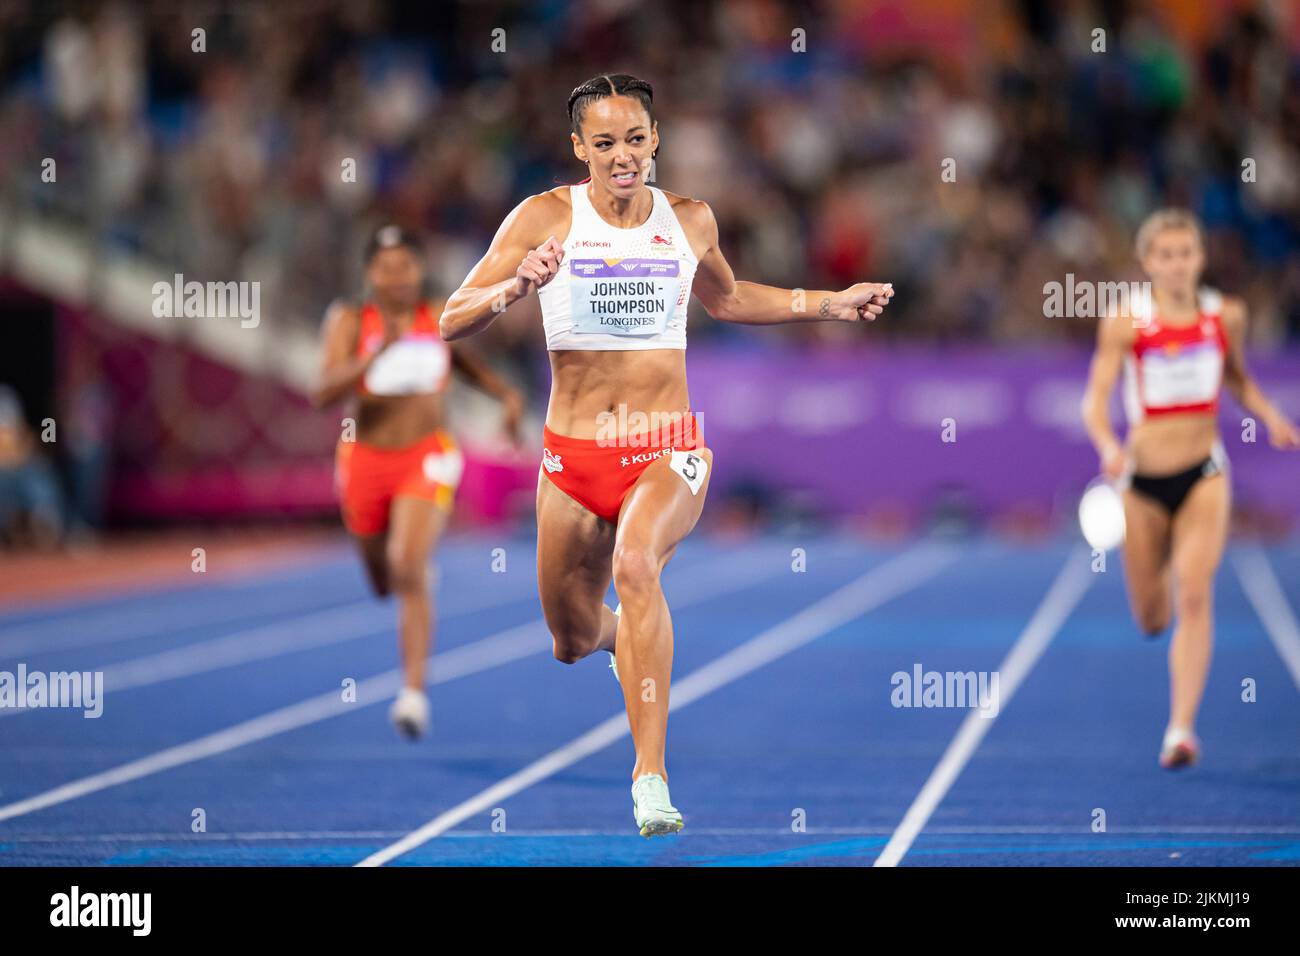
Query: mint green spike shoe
x,y
654,811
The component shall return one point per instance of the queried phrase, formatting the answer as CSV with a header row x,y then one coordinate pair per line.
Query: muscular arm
x,y
750,303
1241,384
524,254
341,369
1114,338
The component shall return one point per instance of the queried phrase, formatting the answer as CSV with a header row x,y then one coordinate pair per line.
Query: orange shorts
x,y
598,475
368,478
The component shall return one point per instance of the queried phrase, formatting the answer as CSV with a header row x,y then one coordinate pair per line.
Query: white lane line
x,y
146,614
502,648
868,591
1265,593
323,628
172,837
319,629
489,652
152,619
480,598
52,637
1071,583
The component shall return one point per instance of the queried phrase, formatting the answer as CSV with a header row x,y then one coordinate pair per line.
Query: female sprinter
x,y
396,480
614,262
1173,468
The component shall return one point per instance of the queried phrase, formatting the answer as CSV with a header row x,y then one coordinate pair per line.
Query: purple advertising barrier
x,y
863,430
847,433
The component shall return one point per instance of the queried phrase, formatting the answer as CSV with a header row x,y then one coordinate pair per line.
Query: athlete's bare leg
x,y
415,525
574,548
1200,530
1147,561
374,557
656,515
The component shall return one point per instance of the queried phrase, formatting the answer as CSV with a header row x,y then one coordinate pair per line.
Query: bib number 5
x,y
691,467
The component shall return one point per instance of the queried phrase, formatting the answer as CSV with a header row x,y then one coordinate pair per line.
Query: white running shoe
x,y
410,713
613,661
1180,748
654,811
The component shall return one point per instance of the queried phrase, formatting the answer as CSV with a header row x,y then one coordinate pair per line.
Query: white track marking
x,y
319,629
1066,591
54,636
173,837
153,620
868,591
35,637
1265,593
144,614
502,648
489,652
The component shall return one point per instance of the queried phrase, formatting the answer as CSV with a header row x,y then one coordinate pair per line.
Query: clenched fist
x,y
863,301
539,266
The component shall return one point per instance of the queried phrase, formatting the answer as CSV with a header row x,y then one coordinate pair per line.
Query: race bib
x,y
407,367
1188,376
623,296
692,467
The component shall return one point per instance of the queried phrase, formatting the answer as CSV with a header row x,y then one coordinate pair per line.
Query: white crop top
x,y
620,289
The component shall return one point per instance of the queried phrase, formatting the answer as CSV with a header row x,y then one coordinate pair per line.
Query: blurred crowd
x,y
820,133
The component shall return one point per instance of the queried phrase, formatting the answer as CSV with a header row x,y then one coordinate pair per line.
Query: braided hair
x,y
608,84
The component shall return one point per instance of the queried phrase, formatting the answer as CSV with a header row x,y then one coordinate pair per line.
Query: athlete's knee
x,y
1194,597
565,652
636,571
407,575
571,646
377,577
1153,621
573,635
1152,613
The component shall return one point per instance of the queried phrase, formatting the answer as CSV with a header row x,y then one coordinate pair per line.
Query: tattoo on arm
x,y
825,308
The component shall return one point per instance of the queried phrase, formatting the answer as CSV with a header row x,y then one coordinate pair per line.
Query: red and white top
x,y
1175,369
416,364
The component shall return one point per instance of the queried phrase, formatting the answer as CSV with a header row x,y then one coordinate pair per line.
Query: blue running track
x,y
798,760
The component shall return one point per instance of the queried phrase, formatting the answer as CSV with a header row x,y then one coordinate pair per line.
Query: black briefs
x,y
1172,490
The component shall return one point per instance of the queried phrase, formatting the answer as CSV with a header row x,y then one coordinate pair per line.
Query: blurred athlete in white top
x,y
396,477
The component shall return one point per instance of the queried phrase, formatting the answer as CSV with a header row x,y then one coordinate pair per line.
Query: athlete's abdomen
x,y
391,421
1165,444
592,391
